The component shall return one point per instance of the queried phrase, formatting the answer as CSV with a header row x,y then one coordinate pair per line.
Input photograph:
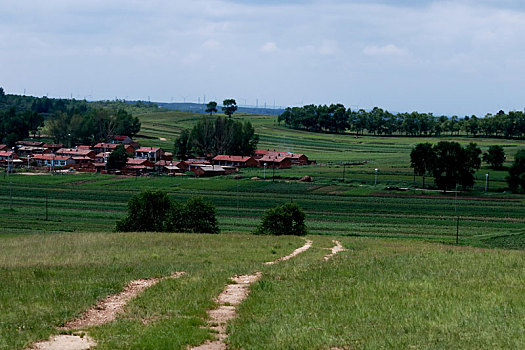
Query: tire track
x,y
103,312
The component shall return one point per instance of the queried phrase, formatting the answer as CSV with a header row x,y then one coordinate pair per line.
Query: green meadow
x,y
403,281
380,293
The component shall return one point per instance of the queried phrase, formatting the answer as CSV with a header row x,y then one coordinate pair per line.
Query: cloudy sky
x,y
446,57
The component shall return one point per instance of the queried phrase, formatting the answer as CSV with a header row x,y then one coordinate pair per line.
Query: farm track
x,y
103,312
232,296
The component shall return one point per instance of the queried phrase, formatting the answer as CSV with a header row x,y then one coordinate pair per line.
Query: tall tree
x,y
495,157
455,165
182,145
422,159
516,177
118,158
211,107
229,106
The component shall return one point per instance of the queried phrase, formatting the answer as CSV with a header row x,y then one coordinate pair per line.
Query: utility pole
x,y
457,216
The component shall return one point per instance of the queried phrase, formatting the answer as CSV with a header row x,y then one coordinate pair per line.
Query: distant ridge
x,y
200,108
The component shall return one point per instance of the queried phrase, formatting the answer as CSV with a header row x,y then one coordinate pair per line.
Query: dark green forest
x,y
69,121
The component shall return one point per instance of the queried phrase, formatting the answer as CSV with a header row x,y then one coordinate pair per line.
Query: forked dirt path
x,y
103,312
335,249
304,248
232,295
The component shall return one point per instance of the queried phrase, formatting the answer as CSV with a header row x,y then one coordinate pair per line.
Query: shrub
x,y
286,219
155,211
196,215
147,211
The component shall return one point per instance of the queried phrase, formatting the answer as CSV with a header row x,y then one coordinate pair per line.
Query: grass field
x,y
378,294
402,283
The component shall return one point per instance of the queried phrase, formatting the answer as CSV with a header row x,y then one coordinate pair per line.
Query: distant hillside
x,y
200,108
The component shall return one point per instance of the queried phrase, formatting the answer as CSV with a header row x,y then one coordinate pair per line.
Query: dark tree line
x,y
70,121
95,125
217,136
338,119
16,126
449,163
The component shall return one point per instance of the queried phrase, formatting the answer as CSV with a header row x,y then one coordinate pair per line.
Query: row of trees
x,y
337,119
217,136
94,125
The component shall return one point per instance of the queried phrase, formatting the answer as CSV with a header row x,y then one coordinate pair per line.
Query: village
x,y
143,161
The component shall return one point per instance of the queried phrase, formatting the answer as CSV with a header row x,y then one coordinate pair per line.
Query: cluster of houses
x,y
146,160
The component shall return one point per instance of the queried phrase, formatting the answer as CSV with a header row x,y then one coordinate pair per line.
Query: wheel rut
x,y
232,295
103,312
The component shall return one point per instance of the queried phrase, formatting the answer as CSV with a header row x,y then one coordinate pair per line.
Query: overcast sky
x,y
445,57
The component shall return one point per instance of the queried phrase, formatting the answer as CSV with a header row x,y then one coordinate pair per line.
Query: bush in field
x,y
155,211
147,211
196,215
286,219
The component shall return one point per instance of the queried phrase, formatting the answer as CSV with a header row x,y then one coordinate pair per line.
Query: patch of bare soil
x,y
65,342
105,311
304,248
33,173
162,138
335,249
232,295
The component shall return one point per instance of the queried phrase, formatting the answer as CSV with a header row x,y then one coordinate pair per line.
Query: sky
x,y
446,57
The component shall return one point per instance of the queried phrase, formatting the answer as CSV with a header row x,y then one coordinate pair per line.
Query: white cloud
x,y
268,47
211,44
387,50
474,47
328,47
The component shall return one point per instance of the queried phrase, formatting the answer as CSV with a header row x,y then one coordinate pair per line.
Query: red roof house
x,y
236,161
275,161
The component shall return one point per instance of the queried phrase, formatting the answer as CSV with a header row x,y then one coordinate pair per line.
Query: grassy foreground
x,y
379,294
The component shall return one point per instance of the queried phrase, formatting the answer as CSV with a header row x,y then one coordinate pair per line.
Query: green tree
x,y
126,124
182,145
422,159
199,216
455,165
495,157
286,219
118,158
211,107
147,211
516,177
229,106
